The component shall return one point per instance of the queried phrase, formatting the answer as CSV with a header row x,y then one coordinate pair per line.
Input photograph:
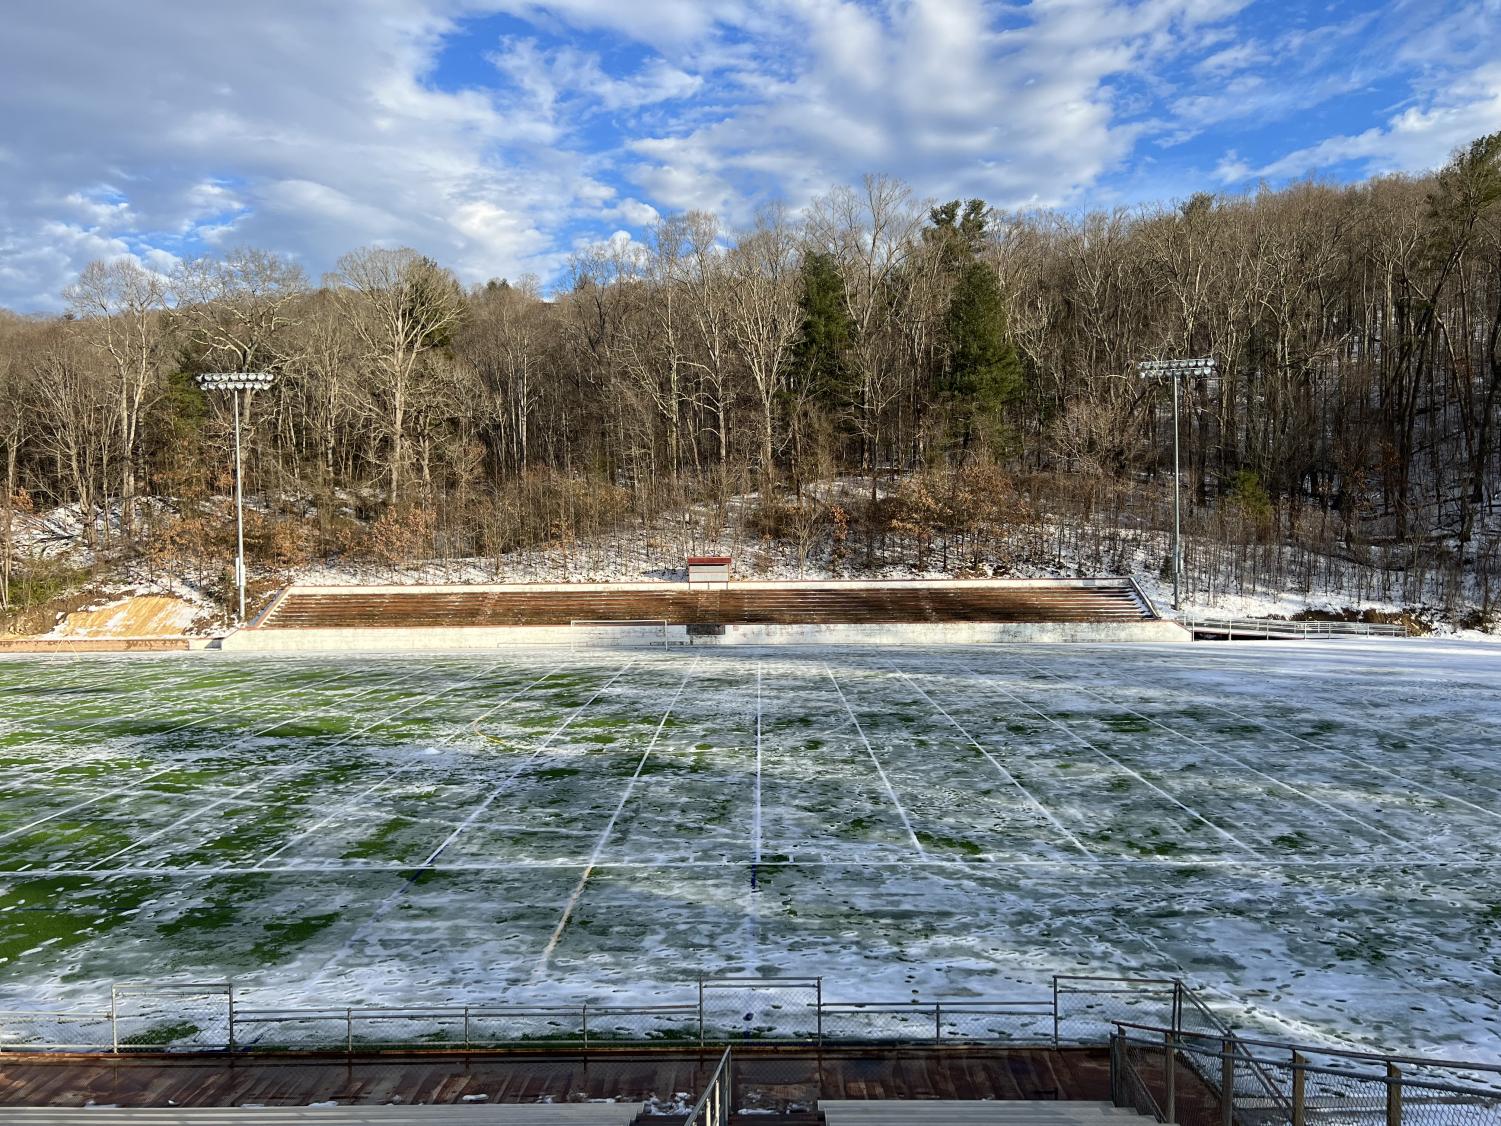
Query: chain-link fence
x,y
939,1022
1195,1080
1086,1009
156,1018
55,1031
764,1009
463,1027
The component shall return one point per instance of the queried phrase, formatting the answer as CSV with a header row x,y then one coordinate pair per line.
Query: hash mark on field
x,y
917,844
604,836
1087,745
1004,773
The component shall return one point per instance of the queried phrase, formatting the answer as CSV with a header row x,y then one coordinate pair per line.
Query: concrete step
x,y
891,1112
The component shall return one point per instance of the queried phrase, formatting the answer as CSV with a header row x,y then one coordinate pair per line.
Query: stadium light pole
x,y
237,381
1175,371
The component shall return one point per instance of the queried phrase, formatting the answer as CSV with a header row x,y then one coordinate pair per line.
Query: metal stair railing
x,y
714,1105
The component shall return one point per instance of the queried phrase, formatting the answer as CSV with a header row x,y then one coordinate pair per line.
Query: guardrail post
x,y
818,1006
466,1028
1177,1021
231,1018
1055,1011
349,1031
1227,1081
1393,1095
700,1012
937,1023
725,1091
584,1021
1170,1077
114,1021
1300,1085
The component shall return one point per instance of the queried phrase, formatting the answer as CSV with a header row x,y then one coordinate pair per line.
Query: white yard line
x,y
116,791
1087,745
280,771
1384,676
885,781
340,809
1392,774
531,758
1272,778
185,693
430,864
756,813
1361,862
1010,778
45,743
604,836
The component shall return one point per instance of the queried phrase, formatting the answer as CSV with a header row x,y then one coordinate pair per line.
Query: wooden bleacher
x,y
1064,601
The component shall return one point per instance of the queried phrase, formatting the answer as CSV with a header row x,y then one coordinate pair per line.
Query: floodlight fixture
x,y
237,382
1176,371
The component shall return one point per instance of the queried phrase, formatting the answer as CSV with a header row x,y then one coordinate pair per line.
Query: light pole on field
x,y
237,381
1175,371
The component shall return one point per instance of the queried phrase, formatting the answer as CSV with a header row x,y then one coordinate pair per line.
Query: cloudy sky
x,y
500,135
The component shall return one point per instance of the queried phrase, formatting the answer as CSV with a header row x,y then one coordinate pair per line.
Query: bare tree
x,y
236,307
401,305
122,305
765,318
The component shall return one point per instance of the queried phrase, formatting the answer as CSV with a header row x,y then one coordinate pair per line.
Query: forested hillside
x,y
965,376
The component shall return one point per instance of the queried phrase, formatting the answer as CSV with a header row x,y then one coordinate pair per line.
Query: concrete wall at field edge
x,y
490,637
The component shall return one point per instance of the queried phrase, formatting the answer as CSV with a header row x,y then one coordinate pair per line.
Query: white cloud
x,y
1418,138
304,128
936,91
156,128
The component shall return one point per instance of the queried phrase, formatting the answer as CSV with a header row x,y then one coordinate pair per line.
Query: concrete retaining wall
x,y
491,637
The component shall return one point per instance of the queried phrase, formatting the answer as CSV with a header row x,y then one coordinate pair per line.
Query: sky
x,y
501,136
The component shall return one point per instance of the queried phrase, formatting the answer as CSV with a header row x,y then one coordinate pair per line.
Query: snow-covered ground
x,y
1306,831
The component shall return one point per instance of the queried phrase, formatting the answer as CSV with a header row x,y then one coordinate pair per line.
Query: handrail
x,y
1266,626
713,1107
1304,1048
1301,1064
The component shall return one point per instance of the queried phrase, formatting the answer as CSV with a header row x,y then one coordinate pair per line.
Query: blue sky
x,y
500,136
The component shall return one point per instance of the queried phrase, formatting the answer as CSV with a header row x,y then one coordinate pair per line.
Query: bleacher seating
x,y
789,605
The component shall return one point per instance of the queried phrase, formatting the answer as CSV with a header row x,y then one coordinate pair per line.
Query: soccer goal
x,y
597,632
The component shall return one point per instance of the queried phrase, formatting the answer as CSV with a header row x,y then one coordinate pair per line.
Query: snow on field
x,y
1306,831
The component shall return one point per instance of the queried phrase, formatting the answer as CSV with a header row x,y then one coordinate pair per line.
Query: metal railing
x,y
1199,1080
726,1010
1079,1010
715,1104
1266,628
619,631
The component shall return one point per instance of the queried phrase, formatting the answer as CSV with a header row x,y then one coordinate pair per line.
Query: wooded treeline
x,y
878,337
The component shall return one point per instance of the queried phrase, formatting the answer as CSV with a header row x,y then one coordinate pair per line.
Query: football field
x,y
1311,830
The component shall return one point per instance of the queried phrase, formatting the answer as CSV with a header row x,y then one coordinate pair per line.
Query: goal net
x,y
596,632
